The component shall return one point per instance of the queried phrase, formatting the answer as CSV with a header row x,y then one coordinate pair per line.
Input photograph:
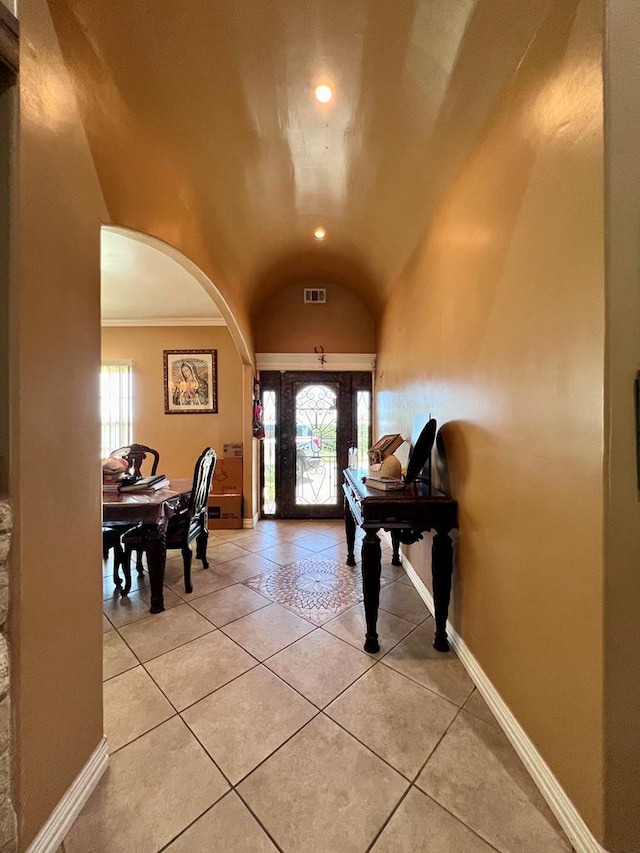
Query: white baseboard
x,y
568,816
54,831
250,523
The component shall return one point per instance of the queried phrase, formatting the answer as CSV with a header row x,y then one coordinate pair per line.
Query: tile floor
x,y
246,718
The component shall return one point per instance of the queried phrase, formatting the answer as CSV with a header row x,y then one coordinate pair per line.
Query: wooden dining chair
x,y
135,455
186,525
112,534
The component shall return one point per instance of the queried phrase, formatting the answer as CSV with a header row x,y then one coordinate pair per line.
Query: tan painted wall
x,y
622,583
55,618
178,438
497,329
285,324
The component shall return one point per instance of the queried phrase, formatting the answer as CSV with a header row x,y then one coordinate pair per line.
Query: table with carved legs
x,y
153,509
407,514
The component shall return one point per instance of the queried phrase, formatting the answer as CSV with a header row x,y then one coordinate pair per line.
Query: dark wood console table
x,y
407,513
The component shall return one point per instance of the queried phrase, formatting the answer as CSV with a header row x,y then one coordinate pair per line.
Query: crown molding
x,y
165,321
315,361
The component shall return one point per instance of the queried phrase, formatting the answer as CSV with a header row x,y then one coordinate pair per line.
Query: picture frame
x,y
190,382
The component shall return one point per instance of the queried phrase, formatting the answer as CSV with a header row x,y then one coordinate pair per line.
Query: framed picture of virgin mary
x,y
190,382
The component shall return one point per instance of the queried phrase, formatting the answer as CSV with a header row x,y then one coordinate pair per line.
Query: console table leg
x,y
395,544
441,570
371,568
350,530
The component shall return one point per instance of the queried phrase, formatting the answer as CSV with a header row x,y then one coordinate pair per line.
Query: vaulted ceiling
x,y
205,132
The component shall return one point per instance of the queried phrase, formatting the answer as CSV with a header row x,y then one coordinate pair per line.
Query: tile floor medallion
x,y
318,589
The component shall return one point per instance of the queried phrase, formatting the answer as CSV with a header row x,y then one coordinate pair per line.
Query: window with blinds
x,y
115,405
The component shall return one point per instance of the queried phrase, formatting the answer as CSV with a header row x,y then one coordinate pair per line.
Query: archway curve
x,y
210,288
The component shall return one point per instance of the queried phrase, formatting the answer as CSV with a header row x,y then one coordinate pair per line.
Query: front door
x,y
311,420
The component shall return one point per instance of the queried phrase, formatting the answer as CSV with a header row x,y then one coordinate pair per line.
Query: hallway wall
x,y
55,586
496,327
284,323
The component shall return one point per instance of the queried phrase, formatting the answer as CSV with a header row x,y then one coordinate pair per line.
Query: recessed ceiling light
x,y
319,233
323,93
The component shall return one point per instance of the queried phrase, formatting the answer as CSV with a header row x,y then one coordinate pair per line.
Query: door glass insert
x,y
316,422
363,427
269,453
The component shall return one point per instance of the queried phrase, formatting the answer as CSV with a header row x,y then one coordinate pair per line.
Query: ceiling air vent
x,y
315,294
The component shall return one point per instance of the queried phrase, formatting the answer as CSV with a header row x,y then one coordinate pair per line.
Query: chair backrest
x,y
135,454
202,476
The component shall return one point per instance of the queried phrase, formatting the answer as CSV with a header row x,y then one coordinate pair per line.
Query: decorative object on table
x,y
384,447
422,439
114,471
146,484
384,484
190,382
133,456
386,475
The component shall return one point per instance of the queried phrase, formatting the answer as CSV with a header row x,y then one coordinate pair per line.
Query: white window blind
x,y
115,405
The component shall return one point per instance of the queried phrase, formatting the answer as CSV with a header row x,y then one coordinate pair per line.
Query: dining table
x,y
153,509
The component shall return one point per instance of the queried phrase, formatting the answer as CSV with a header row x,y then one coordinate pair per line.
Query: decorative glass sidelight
x,y
269,453
363,427
316,422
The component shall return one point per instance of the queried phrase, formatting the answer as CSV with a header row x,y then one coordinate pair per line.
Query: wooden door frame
x,y
275,381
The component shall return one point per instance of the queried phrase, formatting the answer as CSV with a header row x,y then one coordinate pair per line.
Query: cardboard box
x,y
227,477
232,451
224,512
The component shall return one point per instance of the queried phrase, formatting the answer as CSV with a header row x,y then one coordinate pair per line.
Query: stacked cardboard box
x,y
224,512
225,498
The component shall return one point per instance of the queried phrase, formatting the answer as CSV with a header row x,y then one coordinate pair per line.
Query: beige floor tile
x,y
441,672
248,567
396,718
135,606
267,631
204,581
228,827
230,535
476,705
341,791
133,705
154,787
403,601
420,825
256,542
283,532
390,573
315,541
245,721
351,627
219,554
338,551
162,632
475,774
117,657
192,671
229,603
106,625
320,666
138,582
286,552
335,530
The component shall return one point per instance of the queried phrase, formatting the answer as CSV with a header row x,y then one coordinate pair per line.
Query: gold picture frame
x,y
190,382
